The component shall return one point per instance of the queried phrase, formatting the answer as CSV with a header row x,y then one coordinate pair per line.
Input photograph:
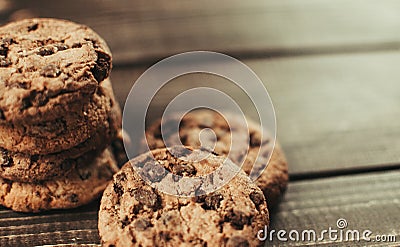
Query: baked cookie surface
x,y
79,187
248,149
48,68
132,213
101,114
34,168
26,168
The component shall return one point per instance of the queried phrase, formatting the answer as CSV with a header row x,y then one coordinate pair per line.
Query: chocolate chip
x,y
34,98
212,201
237,241
102,67
255,139
147,197
120,177
153,172
61,47
118,189
164,237
33,27
73,198
176,178
4,62
46,51
34,158
257,198
5,159
50,71
237,219
200,195
2,116
77,45
4,44
184,170
136,209
94,42
26,103
142,224
126,221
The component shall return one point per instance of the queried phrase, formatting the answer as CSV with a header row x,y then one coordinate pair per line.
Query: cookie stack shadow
x,y
60,125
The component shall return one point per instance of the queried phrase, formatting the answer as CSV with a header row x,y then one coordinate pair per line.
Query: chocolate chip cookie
x,y
34,168
132,213
272,181
66,131
79,187
26,168
49,68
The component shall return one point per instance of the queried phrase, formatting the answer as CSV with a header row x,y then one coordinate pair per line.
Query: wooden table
x,y
332,70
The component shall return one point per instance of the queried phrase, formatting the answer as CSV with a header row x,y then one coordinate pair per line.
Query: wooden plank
x,y
75,237
366,202
334,112
152,29
58,227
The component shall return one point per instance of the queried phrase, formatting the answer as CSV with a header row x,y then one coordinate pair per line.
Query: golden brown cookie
x,y
66,131
49,68
82,185
132,213
272,181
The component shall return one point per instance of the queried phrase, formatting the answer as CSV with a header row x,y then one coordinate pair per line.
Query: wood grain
x,y
333,112
148,30
76,227
368,201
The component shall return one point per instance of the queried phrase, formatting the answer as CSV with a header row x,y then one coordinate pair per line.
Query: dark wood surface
x,y
331,68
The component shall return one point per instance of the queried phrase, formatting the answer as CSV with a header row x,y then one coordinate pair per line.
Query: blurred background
x,y
332,71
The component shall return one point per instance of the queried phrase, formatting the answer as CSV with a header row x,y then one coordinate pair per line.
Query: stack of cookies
x,y
58,115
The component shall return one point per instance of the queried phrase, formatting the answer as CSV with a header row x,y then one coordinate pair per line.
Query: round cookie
x,y
132,213
48,68
272,181
79,187
64,132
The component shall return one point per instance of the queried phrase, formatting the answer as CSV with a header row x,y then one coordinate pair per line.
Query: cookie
x,y
79,187
34,168
49,68
132,213
272,181
37,167
26,168
66,131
